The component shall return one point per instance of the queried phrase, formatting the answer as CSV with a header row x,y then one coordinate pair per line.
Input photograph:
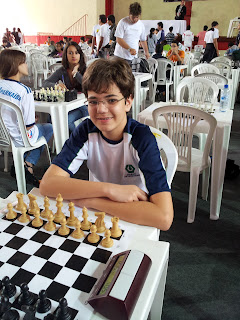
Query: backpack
x,y
141,65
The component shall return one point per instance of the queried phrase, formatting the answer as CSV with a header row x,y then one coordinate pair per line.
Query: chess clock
x,y
116,292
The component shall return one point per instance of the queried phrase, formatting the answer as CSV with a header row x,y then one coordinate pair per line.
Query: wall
x,y
203,12
53,16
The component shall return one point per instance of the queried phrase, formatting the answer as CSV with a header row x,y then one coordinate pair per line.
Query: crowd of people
x,y
11,38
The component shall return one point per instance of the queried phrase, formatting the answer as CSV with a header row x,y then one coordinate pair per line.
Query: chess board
x,y
62,265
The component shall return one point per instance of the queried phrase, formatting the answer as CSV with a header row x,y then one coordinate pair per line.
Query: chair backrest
x,y
204,68
20,122
40,62
168,153
216,78
163,66
4,135
35,50
55,66
90,61
153,64
181,122
224,68
222,59
197,90
188,56
198,48
197,55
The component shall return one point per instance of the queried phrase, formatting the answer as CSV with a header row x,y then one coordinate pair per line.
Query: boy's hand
x,y
126,193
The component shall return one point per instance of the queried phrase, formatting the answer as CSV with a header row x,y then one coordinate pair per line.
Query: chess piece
x,y
107,242
46,211
5,305
8,289
71,221
26,297
43,304
93,237
32,204
115,230
37,222
11,315
20,203
77,233
50,225
99,223
62,311
63,230
29,312
10,214
59,214
85,225
24,218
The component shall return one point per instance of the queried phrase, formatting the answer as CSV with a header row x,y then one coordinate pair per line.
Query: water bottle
x,y
224,100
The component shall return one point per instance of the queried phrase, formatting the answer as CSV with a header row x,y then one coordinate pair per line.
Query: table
x,y
59,116
139,78
149,304
176,76
179,26
219,152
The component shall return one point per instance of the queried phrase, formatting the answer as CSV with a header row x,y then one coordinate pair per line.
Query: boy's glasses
x,y
106,102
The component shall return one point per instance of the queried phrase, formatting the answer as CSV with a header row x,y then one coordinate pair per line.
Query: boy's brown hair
x,y
10,60
103,73
135,9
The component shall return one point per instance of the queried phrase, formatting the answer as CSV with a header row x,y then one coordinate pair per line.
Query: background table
x,y
179,26
219,152
145,239
59,117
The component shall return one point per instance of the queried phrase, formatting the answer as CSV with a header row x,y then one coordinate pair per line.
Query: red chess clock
x,y
116,292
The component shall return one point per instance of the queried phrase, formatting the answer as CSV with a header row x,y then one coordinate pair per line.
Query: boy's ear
x,y
128,103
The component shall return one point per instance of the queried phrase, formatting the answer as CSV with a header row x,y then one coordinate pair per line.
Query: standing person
x,y
95,32
201,36
15,34
238,36
113,144
161,34
48,41
112,28
70,77
170,36
12,68
188,38
181,11
175,55
130,30
211,37
20,36
152,41
102,38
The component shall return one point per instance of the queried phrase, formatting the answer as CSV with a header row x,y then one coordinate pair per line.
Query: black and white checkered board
x,y
64,266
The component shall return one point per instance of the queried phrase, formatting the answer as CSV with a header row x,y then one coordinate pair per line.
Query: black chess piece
x,y
63,312
26,297
5,305
55,99
8,289
49,99
34,95
29,312
38,97
43,303
49,316
11,315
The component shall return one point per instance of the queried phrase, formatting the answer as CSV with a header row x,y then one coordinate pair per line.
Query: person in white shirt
x,y
211,37
130,30
103,36
188,38
95,31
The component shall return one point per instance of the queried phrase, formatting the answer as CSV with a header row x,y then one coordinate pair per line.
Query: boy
x,y
188,38
122,154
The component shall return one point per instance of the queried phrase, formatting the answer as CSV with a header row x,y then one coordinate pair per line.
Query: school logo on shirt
x,y
130,168
29,134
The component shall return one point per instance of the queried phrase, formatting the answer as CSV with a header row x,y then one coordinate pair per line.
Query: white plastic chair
x,y
40,68
153,64
18,151
5,144
198,48
204,68
197,90
224,68
54,67
163,66
181,122
222,59
216,78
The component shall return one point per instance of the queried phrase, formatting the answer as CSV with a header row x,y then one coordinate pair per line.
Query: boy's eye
x,y
111,101
93,103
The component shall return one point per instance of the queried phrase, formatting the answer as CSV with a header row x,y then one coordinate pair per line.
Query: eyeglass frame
x,y
104,102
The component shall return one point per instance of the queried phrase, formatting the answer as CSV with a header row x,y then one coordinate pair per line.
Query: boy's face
x,y
109,117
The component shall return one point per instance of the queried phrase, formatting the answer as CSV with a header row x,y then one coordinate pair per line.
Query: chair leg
x,y
205,183
193,191
20,174
202,140
167,93
5,161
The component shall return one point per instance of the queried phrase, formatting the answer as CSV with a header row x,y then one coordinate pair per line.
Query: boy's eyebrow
x,y
108,96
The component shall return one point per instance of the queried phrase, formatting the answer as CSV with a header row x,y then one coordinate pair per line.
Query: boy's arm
x,y
57,180
157,212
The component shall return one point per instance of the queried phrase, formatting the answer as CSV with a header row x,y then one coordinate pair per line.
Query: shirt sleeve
x,y
215,34
53,79
28,108
120,30
143,34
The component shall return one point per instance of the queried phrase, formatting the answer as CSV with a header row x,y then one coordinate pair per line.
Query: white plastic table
x,y
59,117
219,152
150,301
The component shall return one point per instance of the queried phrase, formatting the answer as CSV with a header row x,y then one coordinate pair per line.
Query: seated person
x,y
12,67
5,44
128,179
51,48
170,36
231,47
161,89
159,51
69,76
175,54
83,45
48,41
58,51
166,46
